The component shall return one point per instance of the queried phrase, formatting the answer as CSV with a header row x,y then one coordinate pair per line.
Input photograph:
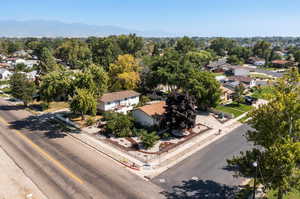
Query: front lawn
x,y
265,92
260,76
295,194
234,108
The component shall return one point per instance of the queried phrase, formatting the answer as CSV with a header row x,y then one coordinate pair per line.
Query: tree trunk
x,y
280,194
82,117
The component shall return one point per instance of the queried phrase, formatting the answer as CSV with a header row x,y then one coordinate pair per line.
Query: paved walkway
x,y
14,184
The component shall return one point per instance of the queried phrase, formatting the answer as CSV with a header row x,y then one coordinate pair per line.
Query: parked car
x,y
250,100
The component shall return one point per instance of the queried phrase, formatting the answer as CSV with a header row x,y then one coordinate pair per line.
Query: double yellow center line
x,y
44,153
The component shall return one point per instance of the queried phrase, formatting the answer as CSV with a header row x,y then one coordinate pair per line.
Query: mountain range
x,y
45,28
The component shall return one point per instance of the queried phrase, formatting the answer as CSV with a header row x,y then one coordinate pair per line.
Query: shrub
x,y
90,121
45,106
149,139
120,125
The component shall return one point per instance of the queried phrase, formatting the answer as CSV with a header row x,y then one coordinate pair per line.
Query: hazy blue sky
x,y
190,17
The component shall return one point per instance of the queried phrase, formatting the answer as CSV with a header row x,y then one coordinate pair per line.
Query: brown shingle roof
x,y
154,109
280,61
114,96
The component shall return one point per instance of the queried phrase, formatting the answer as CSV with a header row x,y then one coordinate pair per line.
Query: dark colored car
x,y
250,100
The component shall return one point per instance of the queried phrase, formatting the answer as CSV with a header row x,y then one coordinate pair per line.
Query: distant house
x,y
256,61
151,114
226,94
13,61
247,81
237,70
215,66
31,63
20,53
122,101
241,71
281,63
221,78
4,74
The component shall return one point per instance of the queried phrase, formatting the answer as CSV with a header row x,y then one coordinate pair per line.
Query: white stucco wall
x,y
143,118
127,104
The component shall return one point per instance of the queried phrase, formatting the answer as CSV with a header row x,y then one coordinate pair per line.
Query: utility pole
x,y
254,183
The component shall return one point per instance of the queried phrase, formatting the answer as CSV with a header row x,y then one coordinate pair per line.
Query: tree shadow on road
x,y
12,107
201,189
39,125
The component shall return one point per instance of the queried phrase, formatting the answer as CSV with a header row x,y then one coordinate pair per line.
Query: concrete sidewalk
x,y
14,184
159,165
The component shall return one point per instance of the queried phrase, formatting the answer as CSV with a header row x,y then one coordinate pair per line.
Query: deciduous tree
x,y
277,139
124,73
83,102
180,111
22,88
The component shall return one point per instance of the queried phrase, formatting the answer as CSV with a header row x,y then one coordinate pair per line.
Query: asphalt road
x,y
62,167
204,174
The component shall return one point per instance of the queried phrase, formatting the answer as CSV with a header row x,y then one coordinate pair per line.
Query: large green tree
x,y
47,62
130,44
262,49
222,45
22,88
199,59
119,125
74,52
184,45
242,53
84,102
204,87
104,50
100,78
277,140
56,85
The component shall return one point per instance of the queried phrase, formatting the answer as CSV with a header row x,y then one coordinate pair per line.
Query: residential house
x,y
122,101
241,71
215,66
237,70
256,61
20,53
281,63
5,74
221,78
31,63
151,114
247,81
226,94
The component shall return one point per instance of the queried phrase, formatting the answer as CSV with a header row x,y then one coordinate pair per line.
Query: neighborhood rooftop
x,y
240,78
157,108
114,96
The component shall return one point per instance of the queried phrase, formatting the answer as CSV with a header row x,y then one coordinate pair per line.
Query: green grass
x,y
265,92
234,108
295,194
260,76
217,74
268,68
6,90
